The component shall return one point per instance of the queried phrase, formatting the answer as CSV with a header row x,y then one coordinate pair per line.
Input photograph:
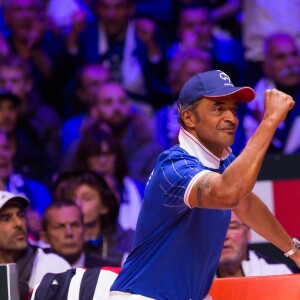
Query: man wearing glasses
x,y
238,261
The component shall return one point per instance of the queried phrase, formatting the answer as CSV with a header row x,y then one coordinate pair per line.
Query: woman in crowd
x,y
104,237
101,152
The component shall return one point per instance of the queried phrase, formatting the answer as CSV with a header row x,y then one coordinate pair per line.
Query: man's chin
x,y
228,260
227,256
20,246
118,126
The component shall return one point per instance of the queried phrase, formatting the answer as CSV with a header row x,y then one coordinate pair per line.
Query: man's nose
x,y
18,222
69,230
230,116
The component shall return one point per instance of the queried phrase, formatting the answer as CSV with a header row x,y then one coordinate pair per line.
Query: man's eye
x,y
88,199
76,225
233,228
59,226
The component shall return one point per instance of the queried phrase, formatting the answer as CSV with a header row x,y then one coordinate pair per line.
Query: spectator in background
x,y
64,231
32,263
16,183
90,78
237,261
63,13
261,18
30,38
281,67
133,130
19,139
104,238
163,12
19,134
129,48
195,30
39,120
9,113
101,153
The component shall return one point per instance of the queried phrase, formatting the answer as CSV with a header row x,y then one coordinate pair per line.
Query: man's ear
x,y
189,118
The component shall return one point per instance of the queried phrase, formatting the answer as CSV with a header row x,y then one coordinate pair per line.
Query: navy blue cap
x,y
212,84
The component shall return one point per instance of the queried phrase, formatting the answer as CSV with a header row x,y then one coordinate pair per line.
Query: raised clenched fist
x,y
277,105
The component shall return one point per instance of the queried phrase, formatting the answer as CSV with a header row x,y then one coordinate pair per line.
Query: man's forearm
x,y
255,214
241,175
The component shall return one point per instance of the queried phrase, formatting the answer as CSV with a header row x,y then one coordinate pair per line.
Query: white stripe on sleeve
x,y
191,184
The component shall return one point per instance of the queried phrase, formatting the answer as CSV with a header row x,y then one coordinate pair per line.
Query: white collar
x,y
190,144
129,39
80,262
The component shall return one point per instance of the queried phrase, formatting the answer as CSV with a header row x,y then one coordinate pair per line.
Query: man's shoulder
x,y
177,153
51,259
179,160
176,150
46,263
259,264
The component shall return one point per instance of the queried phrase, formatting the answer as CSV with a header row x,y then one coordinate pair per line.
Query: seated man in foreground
x,y
32,263
237,261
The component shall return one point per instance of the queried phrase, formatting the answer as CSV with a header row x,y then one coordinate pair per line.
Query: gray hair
x,y
187,107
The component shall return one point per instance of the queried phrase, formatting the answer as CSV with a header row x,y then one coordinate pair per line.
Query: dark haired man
x,y
64,230
32,263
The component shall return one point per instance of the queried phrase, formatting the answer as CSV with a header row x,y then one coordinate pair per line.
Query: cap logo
x,y
225,77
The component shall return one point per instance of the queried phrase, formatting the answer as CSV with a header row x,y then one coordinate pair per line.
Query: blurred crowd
x,y
88,92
